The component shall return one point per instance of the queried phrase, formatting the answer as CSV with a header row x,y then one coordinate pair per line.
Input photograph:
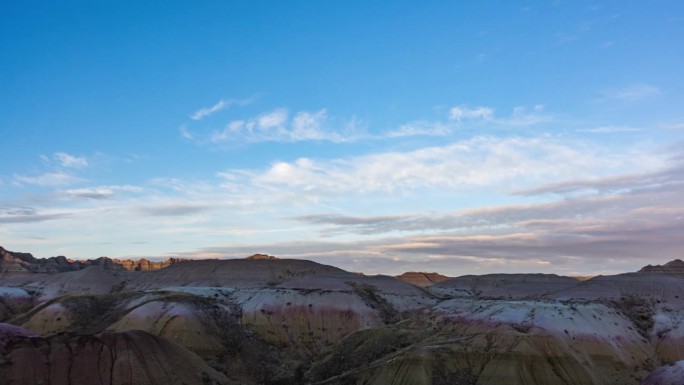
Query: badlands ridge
x,y
263,320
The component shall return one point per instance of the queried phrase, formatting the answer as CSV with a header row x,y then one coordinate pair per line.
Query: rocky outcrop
x,y
145,265
261,256
673,267
422,279
112,358
24,263
672,374
654,286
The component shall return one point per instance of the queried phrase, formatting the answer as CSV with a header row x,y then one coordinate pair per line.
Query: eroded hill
x,y
263,320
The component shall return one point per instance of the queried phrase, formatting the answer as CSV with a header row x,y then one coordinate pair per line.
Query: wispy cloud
x,y
90,193
67,160
174,209
672,174
220,105
593,235
281,125
28,215
481,161
480,219
462,113
592,210
421,128
278,126
47,179
462,116
608,129
185,133
629,94
607,231
523,116
674,126
98,193
206,111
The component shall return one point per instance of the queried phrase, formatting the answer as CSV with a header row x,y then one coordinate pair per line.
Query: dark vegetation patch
x,y
92,313
441,375
370,297
360,349
119,287
245,357
638,310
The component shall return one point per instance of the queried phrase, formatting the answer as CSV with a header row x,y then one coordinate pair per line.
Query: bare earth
x,y
263,320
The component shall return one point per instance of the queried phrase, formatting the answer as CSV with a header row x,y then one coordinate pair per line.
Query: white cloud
x,y
232,131
309,126
72,161
17,215
631,93
478,162
621,215
462,113
521,116
90,193
206,111
421,129
608,129
185,133
47,179
220,105
274,119
101,192
277,126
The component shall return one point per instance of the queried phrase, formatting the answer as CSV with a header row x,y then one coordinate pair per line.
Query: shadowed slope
x,y
131,357
505,285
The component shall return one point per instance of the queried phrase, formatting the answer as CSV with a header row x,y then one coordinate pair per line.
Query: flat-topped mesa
x,y
422,279
672,267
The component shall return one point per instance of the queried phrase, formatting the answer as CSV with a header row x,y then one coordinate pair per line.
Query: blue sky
x,y
379,137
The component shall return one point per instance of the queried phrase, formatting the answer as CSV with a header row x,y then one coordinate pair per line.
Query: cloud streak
x,y
218,106
56,178
631,93
462,117
72,161
608,129
596,234
460,166
27,215
278,126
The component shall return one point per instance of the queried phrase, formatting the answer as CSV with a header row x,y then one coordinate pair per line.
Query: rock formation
x,y
422,279
672,374
672,267
263,320
13,263
261,256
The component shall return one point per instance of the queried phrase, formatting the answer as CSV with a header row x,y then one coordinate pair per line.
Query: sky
x,y
380,137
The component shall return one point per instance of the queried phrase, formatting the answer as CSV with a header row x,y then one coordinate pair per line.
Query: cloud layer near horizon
x,y
571,200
